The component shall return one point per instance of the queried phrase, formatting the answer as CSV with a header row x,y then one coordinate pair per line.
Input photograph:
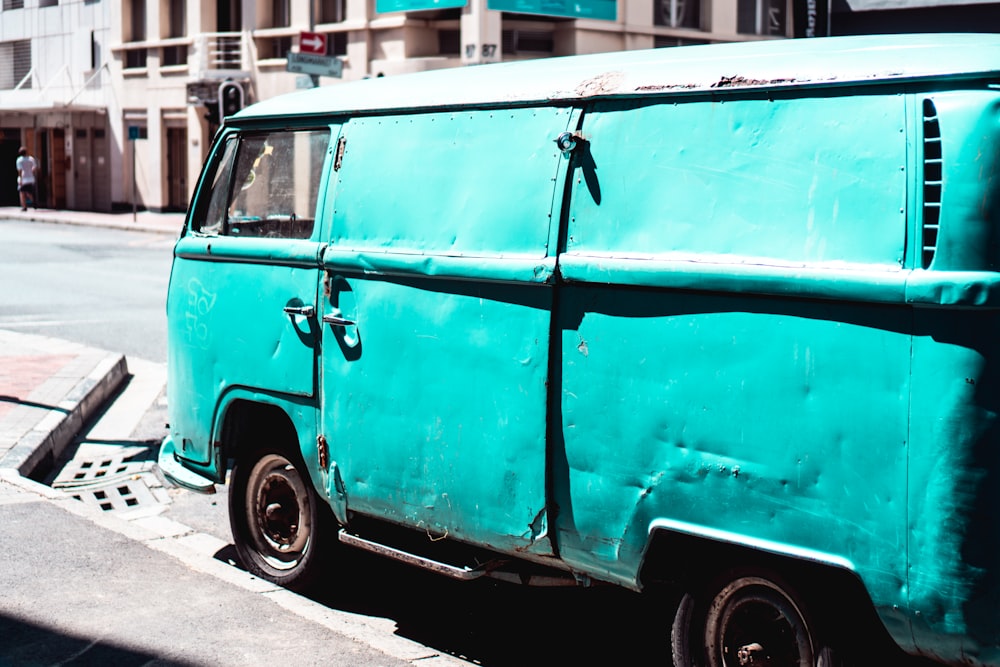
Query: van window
x,y
266,185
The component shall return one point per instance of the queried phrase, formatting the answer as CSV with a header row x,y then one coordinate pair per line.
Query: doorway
x,y
177,194
10,142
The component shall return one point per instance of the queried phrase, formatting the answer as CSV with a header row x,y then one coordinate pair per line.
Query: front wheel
x,y
748,620
278,522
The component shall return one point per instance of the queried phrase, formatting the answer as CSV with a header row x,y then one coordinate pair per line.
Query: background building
x,y
119,99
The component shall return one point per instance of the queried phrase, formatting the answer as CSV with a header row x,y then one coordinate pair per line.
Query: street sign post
x,y
308,63
312,42
134,133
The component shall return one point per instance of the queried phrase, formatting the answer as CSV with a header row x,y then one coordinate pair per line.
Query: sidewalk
x,y
82,586
143,221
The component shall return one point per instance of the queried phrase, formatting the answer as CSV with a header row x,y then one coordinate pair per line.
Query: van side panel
x,y
738,413
955,458
806,181
434,398
226,313
734,414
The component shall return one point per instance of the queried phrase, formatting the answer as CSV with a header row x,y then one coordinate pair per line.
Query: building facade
x,y
119,99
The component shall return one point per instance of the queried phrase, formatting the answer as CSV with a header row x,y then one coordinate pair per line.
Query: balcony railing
x,y
222,50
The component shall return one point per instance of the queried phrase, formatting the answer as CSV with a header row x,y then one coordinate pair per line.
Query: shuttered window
x,y
15,63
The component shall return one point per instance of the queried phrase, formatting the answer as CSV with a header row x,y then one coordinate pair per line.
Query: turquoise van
x,y
722,320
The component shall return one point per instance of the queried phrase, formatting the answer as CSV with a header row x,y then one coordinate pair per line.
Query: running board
x,y
460,573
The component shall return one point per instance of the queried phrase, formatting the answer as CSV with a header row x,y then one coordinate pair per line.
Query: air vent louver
x,y
933,179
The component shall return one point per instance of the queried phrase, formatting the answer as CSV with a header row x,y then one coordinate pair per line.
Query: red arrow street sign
x,y
312,42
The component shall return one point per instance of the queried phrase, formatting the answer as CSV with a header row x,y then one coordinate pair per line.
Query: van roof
x,y
689,69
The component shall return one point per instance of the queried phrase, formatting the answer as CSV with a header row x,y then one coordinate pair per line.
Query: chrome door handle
x,y
334,319
304,311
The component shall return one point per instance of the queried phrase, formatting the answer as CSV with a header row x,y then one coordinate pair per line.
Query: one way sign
x,y
312,42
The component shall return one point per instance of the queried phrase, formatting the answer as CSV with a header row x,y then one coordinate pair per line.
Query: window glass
x,y
677,13
267,185
216,213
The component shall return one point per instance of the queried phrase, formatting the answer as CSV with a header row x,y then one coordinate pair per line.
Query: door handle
x,y
304,311
335,320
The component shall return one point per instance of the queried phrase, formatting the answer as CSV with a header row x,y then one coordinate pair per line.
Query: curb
x,y
200,552
39,449
144,221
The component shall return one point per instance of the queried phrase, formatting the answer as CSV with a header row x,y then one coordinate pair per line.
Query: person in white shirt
x,y
27,168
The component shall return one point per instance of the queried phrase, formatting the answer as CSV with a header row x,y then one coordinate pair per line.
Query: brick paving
x,y
48,388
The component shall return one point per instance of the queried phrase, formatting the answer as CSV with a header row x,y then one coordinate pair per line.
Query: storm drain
x,y
112,483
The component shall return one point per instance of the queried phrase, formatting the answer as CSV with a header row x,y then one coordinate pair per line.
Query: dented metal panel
x,y
434,400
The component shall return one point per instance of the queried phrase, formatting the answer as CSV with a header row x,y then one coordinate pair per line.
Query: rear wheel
x,y
278,520
747,620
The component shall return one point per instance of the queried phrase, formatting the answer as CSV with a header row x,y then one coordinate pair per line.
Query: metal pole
x,y
135,214
312,24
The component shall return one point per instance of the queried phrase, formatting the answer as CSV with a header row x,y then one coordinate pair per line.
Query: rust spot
x,y
657,88
323,451
601,84
742,82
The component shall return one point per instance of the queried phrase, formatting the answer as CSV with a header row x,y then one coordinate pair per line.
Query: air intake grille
x,y
933,179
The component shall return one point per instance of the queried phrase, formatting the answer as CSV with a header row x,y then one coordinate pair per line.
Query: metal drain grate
x,y
120,497
111,482
80,472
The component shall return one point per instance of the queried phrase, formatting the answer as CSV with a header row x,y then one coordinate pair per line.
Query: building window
x,y
330,11
660,41
48,3
280,13
527,41
136,58
761,17
174,55
274,47
450,42
677,13
13,4
137,21
15,64
337,44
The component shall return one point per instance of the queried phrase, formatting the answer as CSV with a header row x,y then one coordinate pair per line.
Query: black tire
x,y
281,527
749,619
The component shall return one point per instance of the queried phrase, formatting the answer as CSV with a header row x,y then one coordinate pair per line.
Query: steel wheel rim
x,y
278,512
753,622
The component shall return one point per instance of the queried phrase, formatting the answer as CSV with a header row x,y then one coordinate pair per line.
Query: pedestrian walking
x,y
27,169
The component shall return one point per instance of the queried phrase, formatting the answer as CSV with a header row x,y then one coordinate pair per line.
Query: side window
x,y
215,216
267,184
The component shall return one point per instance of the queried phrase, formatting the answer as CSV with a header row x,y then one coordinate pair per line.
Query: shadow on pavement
x,y
27,644
495,624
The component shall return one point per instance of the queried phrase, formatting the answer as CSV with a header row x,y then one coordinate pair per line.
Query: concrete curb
x,y
47,441
144,221
199,552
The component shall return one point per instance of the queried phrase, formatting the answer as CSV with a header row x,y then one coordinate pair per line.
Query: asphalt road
x,y
102,287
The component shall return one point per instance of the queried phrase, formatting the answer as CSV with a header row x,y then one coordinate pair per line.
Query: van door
x,y
243,284
436,319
